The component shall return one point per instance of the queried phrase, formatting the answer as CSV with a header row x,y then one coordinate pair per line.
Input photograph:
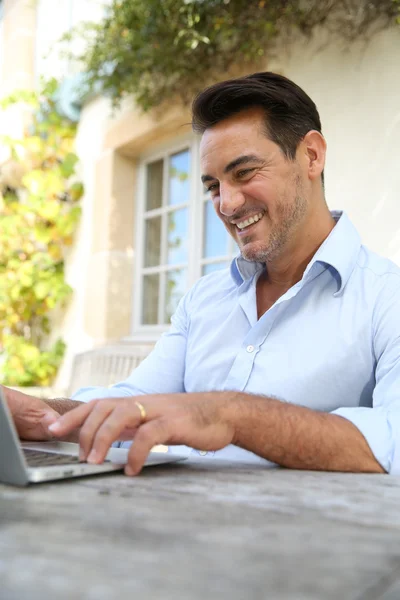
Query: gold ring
x,y
142,410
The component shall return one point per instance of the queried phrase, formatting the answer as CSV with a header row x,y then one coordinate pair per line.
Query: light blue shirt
x,y
330,343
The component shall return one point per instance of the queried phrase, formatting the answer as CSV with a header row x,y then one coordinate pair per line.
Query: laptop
x,y
35,462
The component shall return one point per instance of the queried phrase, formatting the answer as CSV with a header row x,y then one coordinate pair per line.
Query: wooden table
x,y
203,531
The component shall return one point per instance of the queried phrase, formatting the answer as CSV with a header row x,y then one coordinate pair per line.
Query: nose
x,y
231,200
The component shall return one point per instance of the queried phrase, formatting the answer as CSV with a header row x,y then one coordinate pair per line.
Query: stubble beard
x,y
289,217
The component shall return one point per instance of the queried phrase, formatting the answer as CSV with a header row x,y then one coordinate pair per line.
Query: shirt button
x,y
250,348
202,453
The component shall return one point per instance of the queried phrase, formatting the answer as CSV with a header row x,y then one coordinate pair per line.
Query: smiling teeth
x,y
249,221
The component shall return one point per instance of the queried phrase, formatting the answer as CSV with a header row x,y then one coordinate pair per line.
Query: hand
x,y
32,416
200,421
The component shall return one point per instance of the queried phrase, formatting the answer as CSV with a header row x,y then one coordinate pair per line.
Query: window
x,y
166,231
179,236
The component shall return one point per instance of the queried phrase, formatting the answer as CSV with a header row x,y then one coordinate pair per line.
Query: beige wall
x,y
17,61
19,22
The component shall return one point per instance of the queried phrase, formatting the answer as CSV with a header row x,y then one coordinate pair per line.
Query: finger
x,y
117,421
49,418
127,434
148,435
135,418
72,419
89,429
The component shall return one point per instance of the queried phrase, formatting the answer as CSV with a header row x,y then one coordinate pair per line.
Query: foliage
x,y
156,49
39,212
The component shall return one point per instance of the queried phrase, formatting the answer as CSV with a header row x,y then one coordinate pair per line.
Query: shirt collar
x,y
339,251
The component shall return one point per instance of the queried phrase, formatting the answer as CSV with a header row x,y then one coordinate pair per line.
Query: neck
x,y
287,269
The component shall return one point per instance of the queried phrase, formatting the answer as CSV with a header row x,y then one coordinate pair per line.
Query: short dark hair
x,y
289,112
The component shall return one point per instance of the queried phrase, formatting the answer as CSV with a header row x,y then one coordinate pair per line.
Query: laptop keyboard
x,y
40,458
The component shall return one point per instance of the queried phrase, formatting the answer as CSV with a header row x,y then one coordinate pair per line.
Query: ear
x,y
314,151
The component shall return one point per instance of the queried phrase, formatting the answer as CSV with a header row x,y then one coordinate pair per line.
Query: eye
x,y
244,172
213,187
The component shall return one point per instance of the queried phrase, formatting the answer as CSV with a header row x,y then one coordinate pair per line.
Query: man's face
x,y
257,192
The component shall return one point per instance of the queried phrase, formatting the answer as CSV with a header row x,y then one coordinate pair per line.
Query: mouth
x,y
247,224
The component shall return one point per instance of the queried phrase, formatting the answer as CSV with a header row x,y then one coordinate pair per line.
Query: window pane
x,y
152,242
179,178
213,267
150,299
175,287
215,235
177,237
154,184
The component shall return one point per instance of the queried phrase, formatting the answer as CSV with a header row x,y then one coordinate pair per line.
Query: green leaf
x,y
67,167
41,289
76,191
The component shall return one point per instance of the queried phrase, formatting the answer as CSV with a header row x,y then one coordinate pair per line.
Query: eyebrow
x,y
240,160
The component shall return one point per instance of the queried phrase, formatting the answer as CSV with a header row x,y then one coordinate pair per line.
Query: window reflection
x,y
179,165
154,184
175,287
215,242
177,237
152,242
150,299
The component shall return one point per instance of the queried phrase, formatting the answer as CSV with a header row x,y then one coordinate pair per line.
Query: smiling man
x,y
293,354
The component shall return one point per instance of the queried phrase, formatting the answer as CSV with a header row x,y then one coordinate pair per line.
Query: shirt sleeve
x,y
380,424
161,372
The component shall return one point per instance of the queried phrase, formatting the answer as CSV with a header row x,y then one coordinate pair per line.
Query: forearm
x,y
300,438
62,405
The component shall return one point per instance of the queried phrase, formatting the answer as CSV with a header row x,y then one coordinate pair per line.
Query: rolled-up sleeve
x,y
380,424
161,372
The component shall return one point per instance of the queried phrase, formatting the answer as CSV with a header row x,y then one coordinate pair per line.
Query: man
x,y
293,354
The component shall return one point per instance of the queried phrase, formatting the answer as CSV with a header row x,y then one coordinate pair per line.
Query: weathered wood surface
x,y
203,531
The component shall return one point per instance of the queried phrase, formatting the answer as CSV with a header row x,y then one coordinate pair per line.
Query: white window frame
x,y
195,205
